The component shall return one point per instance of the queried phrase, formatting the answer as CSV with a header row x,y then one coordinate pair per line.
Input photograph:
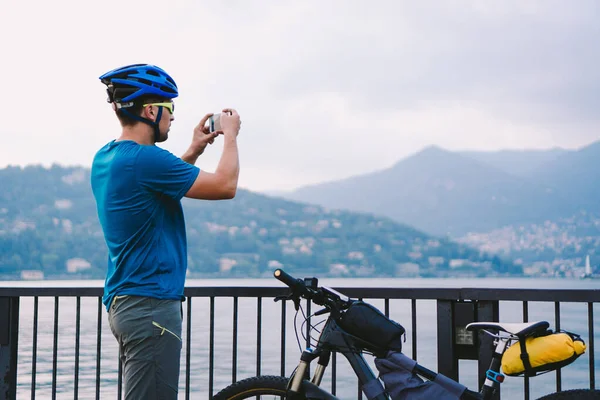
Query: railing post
x,y
447,359
456,343
9,336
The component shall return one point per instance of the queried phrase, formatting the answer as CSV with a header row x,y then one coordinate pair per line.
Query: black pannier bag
x,y
367,323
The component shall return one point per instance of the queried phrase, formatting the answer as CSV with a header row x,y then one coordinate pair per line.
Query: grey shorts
x,y
149,334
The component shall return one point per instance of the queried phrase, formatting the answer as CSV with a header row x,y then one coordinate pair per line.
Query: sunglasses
x,y
169,106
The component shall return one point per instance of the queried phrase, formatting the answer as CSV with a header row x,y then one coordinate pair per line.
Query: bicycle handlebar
x,y
318,295
295,284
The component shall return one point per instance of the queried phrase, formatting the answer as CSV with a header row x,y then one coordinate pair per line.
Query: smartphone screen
x,y
214,123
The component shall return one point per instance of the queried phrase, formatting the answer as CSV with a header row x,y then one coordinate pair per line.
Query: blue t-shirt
x,y
138,191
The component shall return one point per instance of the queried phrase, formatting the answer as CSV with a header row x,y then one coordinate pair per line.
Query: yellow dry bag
x,y
538,354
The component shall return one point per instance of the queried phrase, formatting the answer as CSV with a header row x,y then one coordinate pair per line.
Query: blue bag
x,y
401,383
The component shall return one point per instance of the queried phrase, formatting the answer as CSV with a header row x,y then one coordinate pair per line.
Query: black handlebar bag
x,y
367,323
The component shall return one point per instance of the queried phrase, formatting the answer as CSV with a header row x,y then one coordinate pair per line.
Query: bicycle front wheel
x,y
262,387
577,394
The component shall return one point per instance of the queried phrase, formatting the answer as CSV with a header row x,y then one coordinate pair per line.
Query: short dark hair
x,y
136,109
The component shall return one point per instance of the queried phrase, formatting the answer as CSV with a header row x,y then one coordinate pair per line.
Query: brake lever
x,y
292,296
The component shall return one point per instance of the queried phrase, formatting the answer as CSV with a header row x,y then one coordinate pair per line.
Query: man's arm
x,y
222,184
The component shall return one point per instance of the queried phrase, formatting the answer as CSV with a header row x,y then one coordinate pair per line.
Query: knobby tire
x,y
249,388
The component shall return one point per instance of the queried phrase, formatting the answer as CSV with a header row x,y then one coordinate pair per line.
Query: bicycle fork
x,y
300,387
307,357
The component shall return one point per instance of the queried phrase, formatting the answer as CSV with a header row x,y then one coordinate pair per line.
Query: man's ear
x,y
149,113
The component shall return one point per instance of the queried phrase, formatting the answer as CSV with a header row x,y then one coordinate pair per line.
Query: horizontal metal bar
x,y
52,291
553,295
566,295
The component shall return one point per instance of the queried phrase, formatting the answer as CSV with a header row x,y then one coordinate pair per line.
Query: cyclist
x,y
138,189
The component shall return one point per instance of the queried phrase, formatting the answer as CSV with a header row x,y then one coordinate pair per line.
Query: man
x,y
138,189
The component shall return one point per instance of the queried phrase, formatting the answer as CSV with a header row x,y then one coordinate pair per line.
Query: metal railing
x,y
218,319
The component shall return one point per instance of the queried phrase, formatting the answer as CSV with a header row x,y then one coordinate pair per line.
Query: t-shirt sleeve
x,y
160,171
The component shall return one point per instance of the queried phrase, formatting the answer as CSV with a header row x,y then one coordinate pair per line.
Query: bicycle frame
x,y
334,339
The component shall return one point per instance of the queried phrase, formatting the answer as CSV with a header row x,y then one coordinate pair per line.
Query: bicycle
x,y
333,338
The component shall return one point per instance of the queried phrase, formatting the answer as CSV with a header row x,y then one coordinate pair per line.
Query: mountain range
x,y
434,213
49,228
455,193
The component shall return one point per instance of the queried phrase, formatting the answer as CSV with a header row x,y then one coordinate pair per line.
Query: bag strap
x,y
525,357
373,388
574,336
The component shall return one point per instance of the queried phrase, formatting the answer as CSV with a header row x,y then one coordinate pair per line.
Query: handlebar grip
x,y
288,279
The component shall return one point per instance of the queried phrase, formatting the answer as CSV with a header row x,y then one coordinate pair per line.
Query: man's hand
x,y
202,137
222,184
230,122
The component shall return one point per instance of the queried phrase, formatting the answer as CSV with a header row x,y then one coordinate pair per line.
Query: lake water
x,y
573,318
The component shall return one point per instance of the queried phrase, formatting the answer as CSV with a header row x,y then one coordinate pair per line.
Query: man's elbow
x,y
229,192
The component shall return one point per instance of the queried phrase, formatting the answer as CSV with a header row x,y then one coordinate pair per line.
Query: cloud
x,y
420,55
325,89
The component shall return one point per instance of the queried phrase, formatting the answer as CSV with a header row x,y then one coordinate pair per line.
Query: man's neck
x,y
138,133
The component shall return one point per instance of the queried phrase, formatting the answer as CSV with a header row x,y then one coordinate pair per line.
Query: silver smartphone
x,y
214,123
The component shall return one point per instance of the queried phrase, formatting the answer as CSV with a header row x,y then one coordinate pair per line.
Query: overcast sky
x,y
325,89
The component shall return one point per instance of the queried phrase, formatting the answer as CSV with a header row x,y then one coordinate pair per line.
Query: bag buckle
x,y
494,376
